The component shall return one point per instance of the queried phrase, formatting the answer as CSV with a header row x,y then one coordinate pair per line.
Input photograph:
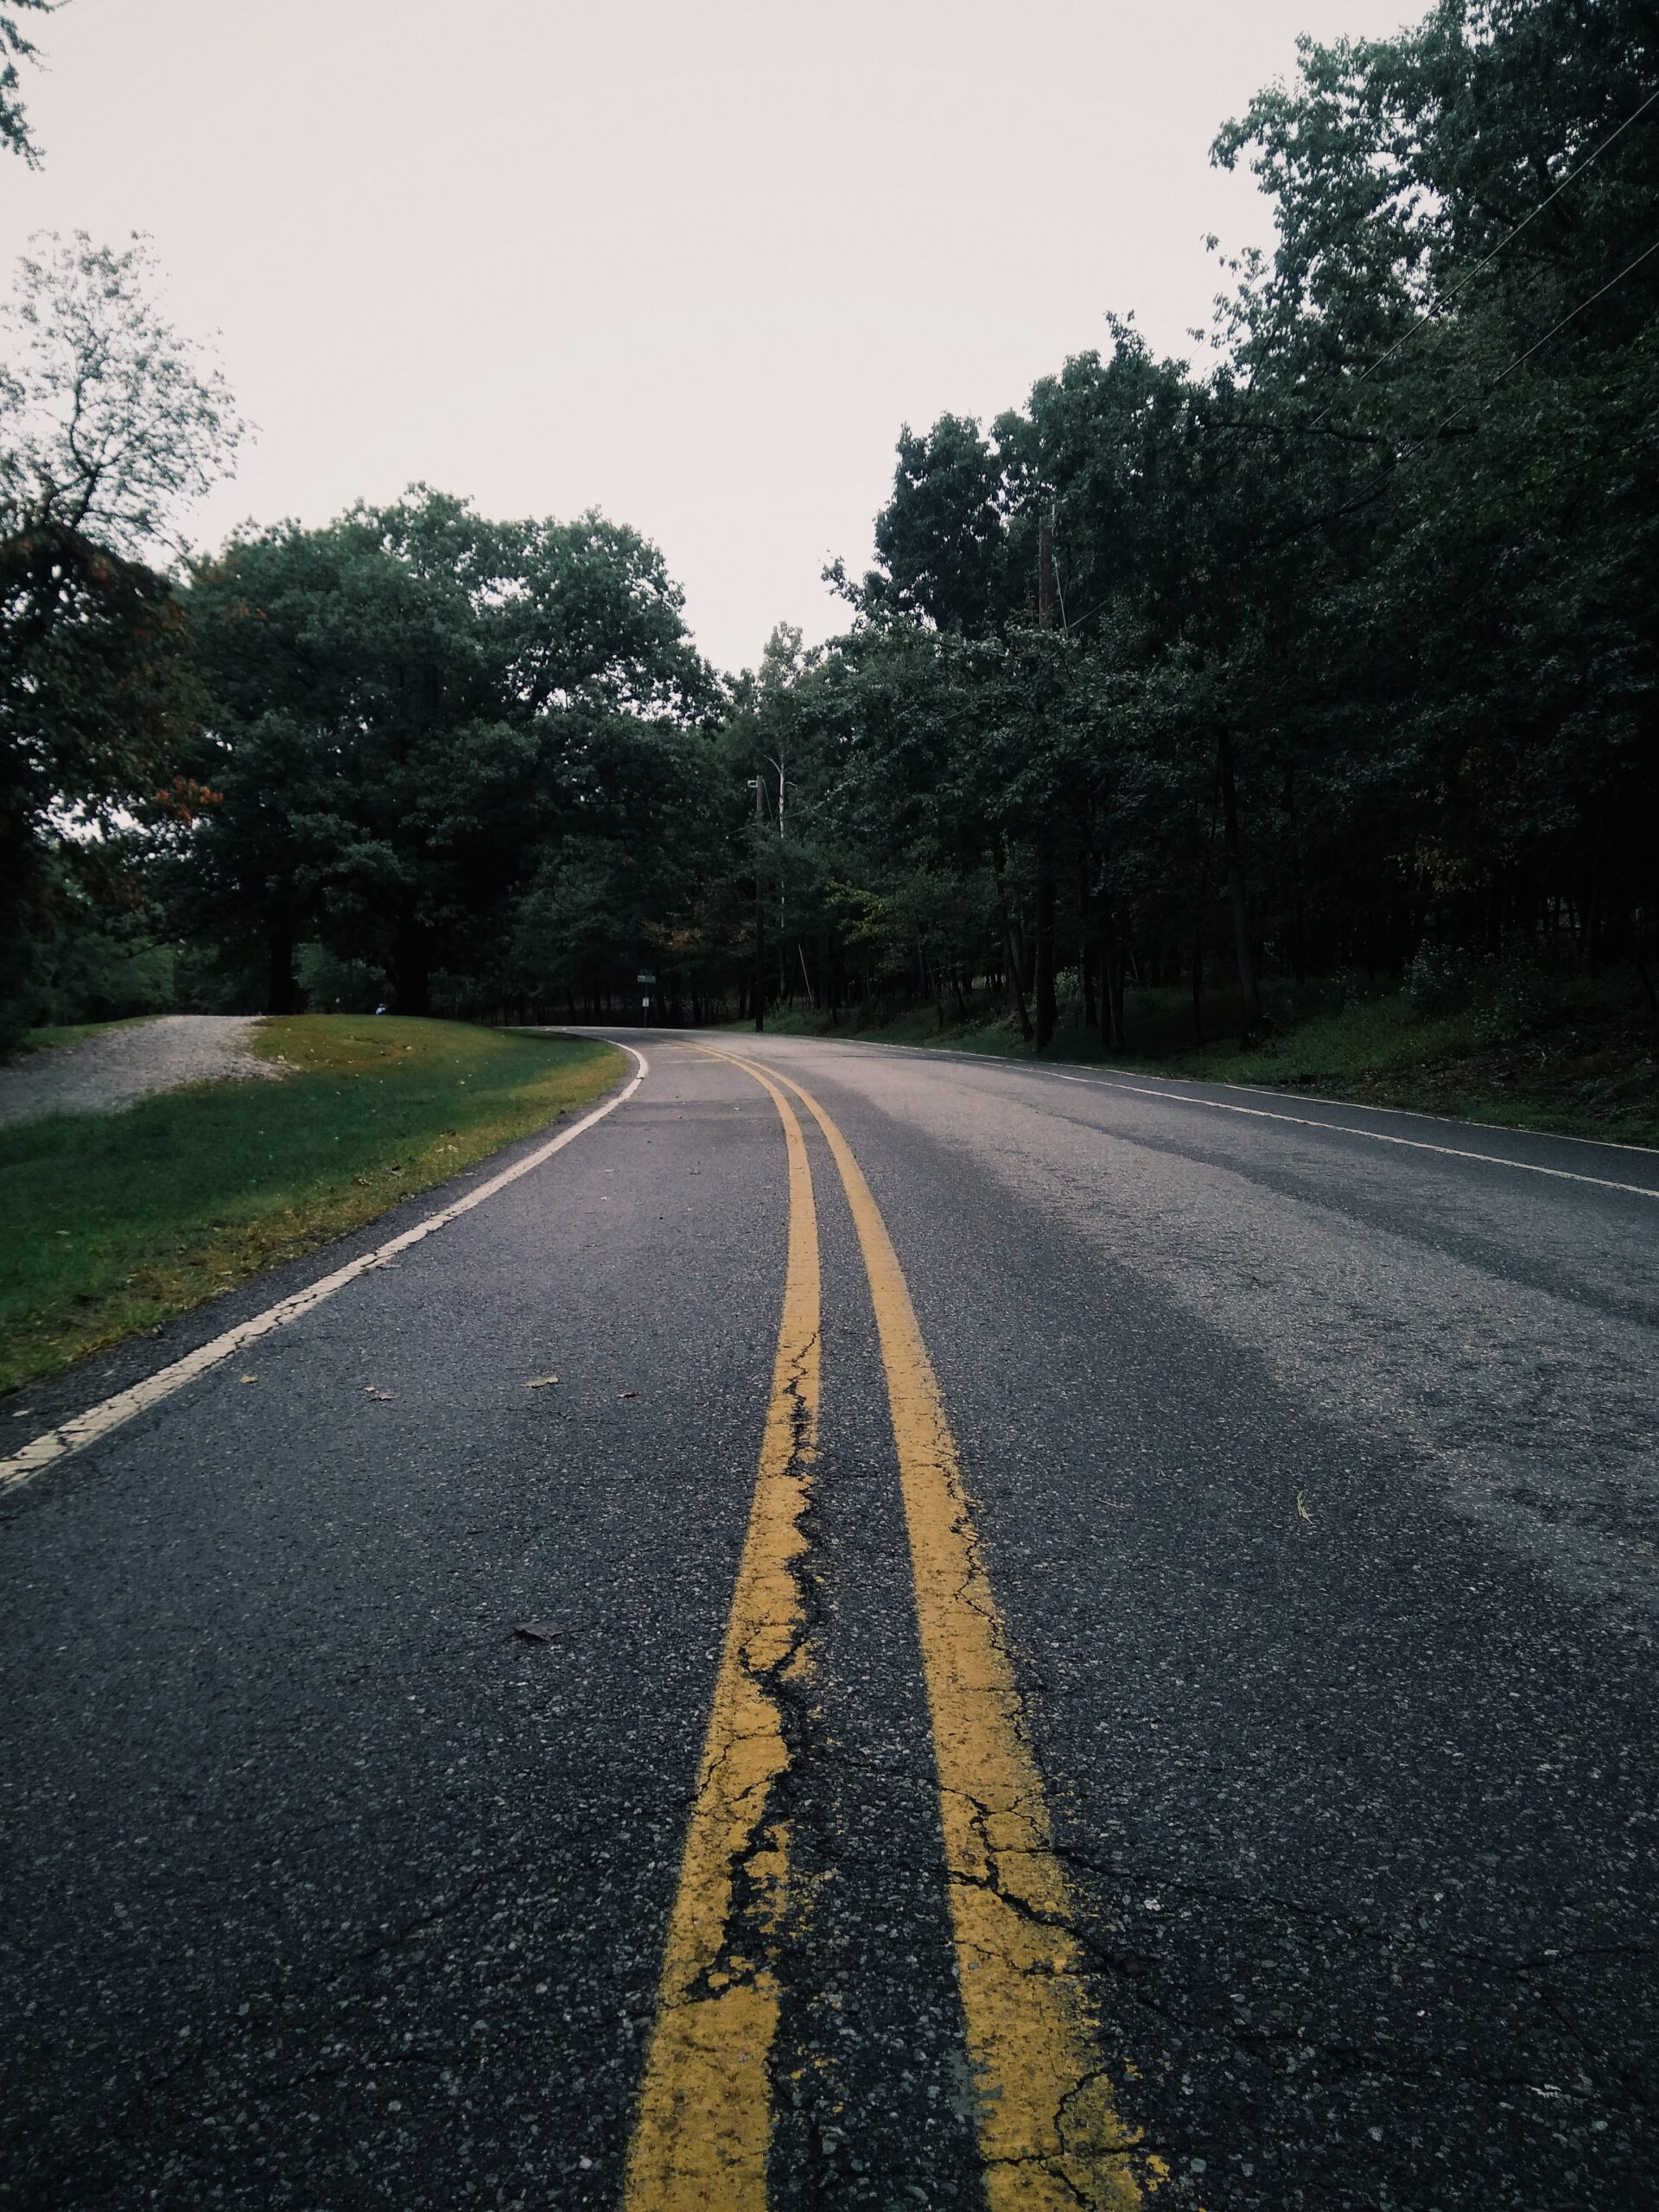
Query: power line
x,y
1463,284
1573,316
1381,480
1379,483
1065,627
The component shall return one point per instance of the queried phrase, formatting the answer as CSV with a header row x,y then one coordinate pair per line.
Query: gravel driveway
x,y
104,1073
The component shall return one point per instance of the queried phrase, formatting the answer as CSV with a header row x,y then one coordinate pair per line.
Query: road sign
x,y
645,976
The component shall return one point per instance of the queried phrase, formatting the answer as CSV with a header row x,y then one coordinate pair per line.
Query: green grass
x,y
114,1222
1578,1055
76,1033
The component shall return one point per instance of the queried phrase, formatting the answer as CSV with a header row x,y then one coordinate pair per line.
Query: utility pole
x,y
1255,1023
759,911
783,986
1046,1008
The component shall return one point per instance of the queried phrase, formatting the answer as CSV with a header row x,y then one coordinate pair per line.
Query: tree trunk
x,y
282,993
1086,940
1198,988
1254,1026
411,970
1015,991
1045,962
1111,984
1299,926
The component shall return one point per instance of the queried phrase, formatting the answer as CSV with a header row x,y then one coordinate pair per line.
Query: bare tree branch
x,y
113,423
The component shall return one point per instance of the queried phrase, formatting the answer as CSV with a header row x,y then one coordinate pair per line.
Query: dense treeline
x,y
447,748
1339,654
1335,651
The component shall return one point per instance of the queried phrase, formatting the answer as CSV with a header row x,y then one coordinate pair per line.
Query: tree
x,y
418,714
1464,304
97,704
16,48
1353,637
941,540
109,425
114,422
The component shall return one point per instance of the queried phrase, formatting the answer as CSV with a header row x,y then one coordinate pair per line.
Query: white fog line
x,y
1349,1130
1446,1120
87,1428
994,1063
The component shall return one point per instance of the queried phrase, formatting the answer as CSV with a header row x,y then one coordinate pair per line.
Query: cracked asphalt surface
x,y
1317,1481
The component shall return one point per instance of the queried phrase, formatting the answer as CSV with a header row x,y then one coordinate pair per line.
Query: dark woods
x,y
1333,654
1339,655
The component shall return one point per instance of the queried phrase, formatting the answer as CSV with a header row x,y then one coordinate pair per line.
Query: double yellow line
x,y
1049,2135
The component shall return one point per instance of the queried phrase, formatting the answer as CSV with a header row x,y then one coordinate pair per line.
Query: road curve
x,y
1208,1741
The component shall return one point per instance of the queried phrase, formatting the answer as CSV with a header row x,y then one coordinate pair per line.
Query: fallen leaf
x,y
537,1632
541,1383
375,1391
250,1378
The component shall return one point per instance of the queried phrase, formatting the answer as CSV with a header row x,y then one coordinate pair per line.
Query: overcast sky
x,y
692,262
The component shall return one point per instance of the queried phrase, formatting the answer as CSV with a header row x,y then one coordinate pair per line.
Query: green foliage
x,y
942,539
1349,662
101,963
1436,981
14,47
107,423
329,984
425,726
97,700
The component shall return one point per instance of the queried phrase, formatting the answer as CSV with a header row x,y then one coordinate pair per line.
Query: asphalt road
x,y
1307,1465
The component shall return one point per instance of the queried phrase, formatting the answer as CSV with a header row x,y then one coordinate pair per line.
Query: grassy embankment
x,y
76,1033
114,1222
1576,1055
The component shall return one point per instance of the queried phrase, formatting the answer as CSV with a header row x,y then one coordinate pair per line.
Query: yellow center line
x,y
1049,2134
703,2126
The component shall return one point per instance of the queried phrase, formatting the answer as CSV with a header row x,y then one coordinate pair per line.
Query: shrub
x,y
1437,981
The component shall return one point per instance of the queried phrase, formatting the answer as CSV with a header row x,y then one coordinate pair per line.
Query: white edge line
x,y
1375,1136
87,1428
965,1056
1109,1081
1420,1114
